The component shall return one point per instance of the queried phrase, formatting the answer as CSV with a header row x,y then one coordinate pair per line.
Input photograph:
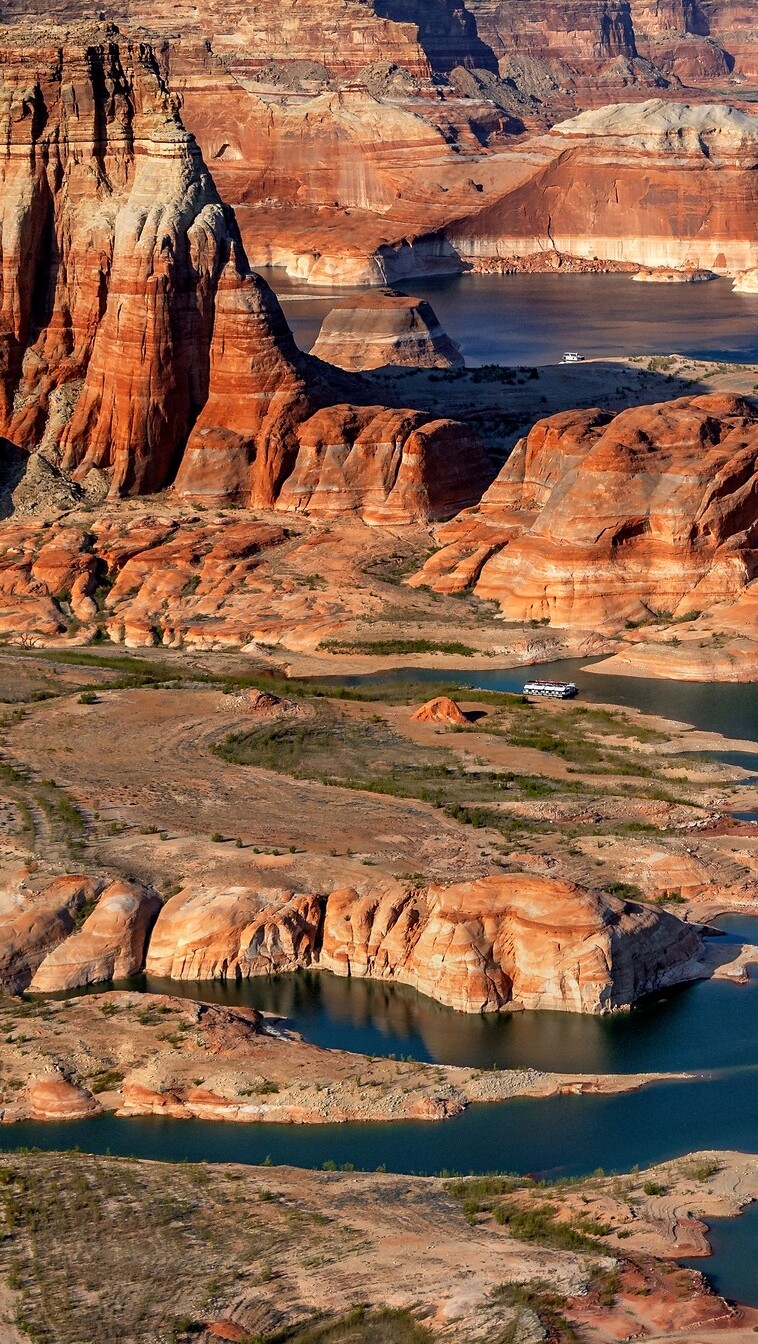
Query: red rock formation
x,y
579,41
597,520
209,934
110,944
476,946
243,444
425,36
578,31
385,466
34,920
53,1097
654,184
114,239
137,343
381,328
203,580
441,710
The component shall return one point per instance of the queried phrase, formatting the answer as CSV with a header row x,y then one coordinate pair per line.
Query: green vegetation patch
x,y
382,648
540,1223
367,754
359,1326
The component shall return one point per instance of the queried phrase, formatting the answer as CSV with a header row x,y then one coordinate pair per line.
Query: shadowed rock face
x,y
580,30
687,39
475,946
136,346
599,519
377,329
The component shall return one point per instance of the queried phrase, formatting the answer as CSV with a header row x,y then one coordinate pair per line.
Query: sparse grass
x,y
541,1224
362,1325
700,1170
383,648
370,756
625,891
144,1249
106,1081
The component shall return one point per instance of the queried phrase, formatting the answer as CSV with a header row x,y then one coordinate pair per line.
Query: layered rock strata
x,y
477,947
598,521
692,42
110,945
371,331
655,184
138,348
34,920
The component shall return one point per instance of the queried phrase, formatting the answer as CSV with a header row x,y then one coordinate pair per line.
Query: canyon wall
x,y
656,184
136,346
476,946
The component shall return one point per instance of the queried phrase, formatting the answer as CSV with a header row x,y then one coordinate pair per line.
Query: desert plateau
x,y
378,672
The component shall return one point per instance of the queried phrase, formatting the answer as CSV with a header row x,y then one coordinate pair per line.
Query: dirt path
x,y
142,759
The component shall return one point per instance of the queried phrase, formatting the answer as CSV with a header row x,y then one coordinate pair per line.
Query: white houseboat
x,y
557,690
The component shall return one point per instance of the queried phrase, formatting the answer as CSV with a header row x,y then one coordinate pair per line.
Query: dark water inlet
x,y
558,1136
733,1242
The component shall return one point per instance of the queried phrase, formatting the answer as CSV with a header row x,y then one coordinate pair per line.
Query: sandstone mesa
x,y
377,329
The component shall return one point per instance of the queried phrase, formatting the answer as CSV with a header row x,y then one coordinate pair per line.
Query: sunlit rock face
x,y
475,946
656,184
137,348
599,520
372,330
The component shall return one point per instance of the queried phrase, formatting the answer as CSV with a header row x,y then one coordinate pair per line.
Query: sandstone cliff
x,y
138,349
110,945
476,947
34,920
658,184
599,520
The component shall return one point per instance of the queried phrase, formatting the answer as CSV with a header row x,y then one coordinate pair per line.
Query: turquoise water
x,y
557,1136
533,319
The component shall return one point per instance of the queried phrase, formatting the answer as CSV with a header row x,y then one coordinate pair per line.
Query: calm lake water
x,y
532,319
734,1242
710,1025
